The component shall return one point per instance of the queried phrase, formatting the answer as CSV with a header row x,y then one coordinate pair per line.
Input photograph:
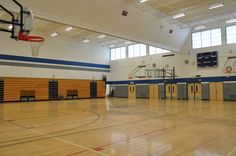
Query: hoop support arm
x,y
9,22
5,30
21,14
12,19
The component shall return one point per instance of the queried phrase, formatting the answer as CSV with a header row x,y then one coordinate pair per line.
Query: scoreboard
x,y
207,59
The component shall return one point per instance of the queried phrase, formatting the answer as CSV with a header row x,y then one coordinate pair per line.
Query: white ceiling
x,y
46,28
197,11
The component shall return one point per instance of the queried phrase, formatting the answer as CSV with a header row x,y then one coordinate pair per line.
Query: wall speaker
x,y
124,13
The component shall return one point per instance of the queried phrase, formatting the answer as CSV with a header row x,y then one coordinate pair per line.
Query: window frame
x,y
226,37
200,31
120,53
146,50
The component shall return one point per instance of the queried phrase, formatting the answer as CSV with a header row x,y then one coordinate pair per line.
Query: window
x,y
231,34
196,40
155,50
137,50
207,38
118,53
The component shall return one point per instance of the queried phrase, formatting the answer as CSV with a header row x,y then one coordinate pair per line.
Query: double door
x,y
171,90
194,91
132,91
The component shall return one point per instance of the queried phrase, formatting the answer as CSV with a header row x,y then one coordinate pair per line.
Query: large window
x,y
137,50
118,53
231,34
207,38
155,50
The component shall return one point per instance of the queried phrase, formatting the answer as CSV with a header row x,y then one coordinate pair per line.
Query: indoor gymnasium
x,y
117,77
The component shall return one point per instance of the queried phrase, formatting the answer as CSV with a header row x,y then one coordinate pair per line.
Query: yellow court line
x,y
231,152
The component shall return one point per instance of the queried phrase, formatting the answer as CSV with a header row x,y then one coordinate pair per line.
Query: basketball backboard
x,y
19,25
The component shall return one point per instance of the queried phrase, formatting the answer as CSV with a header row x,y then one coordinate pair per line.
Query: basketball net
x,y
35,42
35,46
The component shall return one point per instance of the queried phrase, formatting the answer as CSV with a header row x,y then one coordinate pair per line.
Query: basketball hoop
x,y
35,42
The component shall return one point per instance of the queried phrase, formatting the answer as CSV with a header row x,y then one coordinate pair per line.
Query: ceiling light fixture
x,y
68,28
231,21
102,36
86,40
214,6
10,27
142,1
200,27
179,15
111,46
54,34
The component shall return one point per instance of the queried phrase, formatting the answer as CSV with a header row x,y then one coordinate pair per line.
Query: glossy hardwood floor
x,y
120,127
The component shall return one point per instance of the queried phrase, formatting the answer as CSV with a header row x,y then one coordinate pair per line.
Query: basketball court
x,y
120,77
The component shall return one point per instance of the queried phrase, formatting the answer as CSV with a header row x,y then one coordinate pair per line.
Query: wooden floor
x,y
118,127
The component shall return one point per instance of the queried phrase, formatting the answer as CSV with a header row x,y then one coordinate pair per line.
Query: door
x,y
53,90
191,90
174,90
194,91
132,91
168,91
198,91
93,89
219,91
1,91
216,91
153,90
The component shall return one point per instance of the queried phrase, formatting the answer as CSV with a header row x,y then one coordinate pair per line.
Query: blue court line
x,y
52,61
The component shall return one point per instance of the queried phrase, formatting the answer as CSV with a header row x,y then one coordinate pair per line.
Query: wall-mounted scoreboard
x,y
207,59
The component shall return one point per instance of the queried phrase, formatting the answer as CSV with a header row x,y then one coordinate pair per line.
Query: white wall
x,y
120,69
54,48
105,16
224,51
